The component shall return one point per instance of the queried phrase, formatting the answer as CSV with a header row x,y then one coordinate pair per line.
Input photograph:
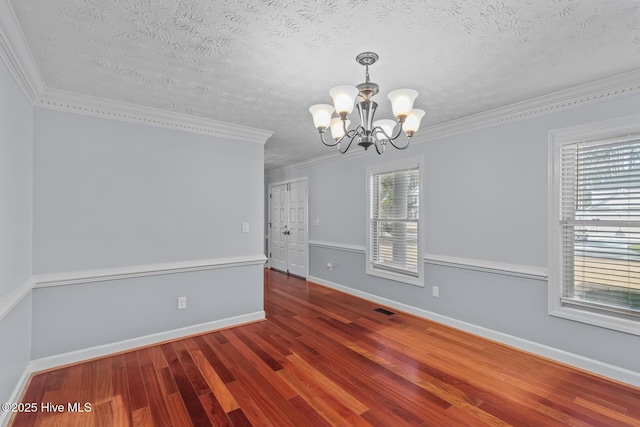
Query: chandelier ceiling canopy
x,y
369,132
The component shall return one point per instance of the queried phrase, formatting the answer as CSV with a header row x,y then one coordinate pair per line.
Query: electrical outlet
x,y
435,291
182,303
245,227
329,266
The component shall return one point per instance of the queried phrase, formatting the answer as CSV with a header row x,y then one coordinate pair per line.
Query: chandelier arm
x,y
395,136
359,131
348,145
398,132
352,133
379,129
400,148
344,125
375,144
329,144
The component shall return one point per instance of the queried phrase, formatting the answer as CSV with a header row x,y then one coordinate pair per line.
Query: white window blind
x,y
394,221
600,225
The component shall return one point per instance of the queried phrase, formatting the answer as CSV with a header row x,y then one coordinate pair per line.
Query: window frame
x,y
615,128
370,269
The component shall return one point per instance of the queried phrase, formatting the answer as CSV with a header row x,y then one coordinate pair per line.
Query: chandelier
x,y
368,133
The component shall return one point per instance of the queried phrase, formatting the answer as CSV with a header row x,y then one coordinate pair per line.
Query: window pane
x,y
606,266
396,245
394,217
601,225
396,195
608,181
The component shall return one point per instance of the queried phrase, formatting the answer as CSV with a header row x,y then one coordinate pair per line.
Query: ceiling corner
x,y
15,52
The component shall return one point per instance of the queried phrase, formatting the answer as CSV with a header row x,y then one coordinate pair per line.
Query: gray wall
x,y
83,196
485,199
16,126
76,317
111,194
16,150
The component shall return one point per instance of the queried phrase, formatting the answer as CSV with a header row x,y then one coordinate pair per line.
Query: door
x,y
278,250
297,236
288,227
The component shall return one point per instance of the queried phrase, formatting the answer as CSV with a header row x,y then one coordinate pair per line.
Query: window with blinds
x,y
394,222
600,225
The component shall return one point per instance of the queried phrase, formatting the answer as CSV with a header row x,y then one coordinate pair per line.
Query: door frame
x,y
306,208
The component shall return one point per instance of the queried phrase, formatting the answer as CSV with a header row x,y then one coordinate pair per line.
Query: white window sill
x,y
602,320
397,277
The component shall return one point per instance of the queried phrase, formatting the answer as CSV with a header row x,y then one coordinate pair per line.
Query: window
x,y
393,227
596,228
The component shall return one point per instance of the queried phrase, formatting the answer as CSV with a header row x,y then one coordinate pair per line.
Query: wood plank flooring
x,y
324,358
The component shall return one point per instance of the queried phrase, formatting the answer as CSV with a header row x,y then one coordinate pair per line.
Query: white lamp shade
x,y
387,125
412,122
337,129
344,97
321,115
402,101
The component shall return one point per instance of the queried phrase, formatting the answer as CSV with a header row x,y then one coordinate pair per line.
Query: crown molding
x,y
589,93
598,91
328,158
100,107
15,52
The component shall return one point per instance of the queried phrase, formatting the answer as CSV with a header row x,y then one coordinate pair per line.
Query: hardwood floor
x,y
325,358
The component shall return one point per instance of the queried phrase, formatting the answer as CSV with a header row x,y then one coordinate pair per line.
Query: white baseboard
x,y
130,344
80,277
575,360
121,346
15,396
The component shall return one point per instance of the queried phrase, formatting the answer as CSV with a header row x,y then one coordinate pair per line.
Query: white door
x,y
298,228
279,227
289,234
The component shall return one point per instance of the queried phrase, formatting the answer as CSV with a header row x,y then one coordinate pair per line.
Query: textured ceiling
x,y
262,63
